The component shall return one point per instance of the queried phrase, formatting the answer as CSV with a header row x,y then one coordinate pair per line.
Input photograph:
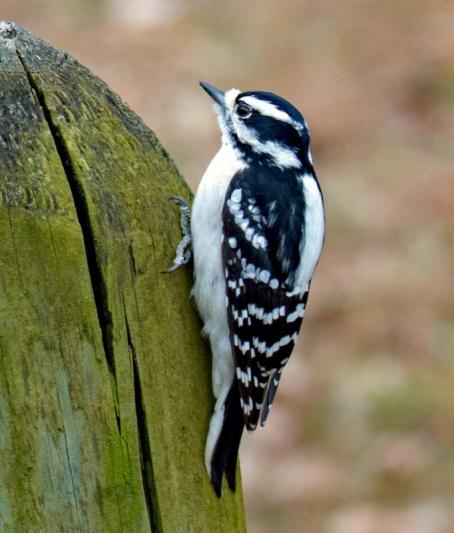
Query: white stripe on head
x,y
270,110
267,108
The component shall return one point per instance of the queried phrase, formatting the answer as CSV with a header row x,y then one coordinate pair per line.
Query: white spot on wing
x,y
264,276
236,196
298,313
249,233
233,207
259,241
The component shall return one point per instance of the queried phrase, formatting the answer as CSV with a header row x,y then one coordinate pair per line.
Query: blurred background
x,y
361,439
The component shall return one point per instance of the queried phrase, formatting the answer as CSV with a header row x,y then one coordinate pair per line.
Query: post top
x,y
8,29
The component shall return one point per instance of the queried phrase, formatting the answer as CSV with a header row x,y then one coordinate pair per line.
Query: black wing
x,y
263,228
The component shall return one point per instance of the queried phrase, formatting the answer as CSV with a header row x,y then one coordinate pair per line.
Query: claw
x,y
183,251
179,201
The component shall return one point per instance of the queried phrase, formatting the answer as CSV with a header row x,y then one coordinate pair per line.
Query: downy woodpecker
x,y
257,228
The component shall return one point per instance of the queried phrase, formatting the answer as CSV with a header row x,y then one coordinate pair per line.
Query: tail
x,y
223,441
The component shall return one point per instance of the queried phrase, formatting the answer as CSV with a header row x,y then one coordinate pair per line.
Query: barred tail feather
x,y
223,442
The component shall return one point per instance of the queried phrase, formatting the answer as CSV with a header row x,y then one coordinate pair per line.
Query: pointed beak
x,y
216,94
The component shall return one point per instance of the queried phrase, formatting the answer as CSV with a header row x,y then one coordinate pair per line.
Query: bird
x,y
255,231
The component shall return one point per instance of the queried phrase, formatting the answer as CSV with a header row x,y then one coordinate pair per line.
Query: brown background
x,y
361,439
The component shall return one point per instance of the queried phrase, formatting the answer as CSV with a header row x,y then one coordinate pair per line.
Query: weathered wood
x,y
104,380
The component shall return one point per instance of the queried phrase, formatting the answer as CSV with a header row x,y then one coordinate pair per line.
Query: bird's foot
x,y
183,251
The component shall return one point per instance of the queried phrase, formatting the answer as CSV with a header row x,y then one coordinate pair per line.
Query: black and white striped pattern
x,y
261,254
257,232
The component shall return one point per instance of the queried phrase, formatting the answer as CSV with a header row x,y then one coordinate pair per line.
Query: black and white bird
x,y
257,228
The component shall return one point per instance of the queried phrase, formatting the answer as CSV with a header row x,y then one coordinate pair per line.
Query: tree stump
x,y
105,394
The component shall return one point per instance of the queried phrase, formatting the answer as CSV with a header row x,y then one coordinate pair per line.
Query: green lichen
x,y
104,382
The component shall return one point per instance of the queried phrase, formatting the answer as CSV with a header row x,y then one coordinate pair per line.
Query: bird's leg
x,y
183,251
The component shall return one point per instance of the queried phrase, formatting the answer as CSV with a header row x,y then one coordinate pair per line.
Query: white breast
x,y
314,231
206,227
209,287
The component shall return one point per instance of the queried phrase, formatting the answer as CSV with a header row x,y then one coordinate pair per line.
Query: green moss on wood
x,y
104,380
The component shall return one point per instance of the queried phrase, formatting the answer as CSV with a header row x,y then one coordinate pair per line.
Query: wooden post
x,y
105,394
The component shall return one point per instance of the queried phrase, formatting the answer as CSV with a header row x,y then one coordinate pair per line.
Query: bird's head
x,y
262,127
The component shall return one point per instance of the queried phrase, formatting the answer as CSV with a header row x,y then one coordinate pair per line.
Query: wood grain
x,y
105,393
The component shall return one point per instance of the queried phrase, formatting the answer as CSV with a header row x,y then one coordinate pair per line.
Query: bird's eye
x,y
243,110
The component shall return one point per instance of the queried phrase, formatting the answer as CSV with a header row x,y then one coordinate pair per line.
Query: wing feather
x,y
264,310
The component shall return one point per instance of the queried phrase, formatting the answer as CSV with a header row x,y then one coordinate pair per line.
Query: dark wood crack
x,y
146,463
97,279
